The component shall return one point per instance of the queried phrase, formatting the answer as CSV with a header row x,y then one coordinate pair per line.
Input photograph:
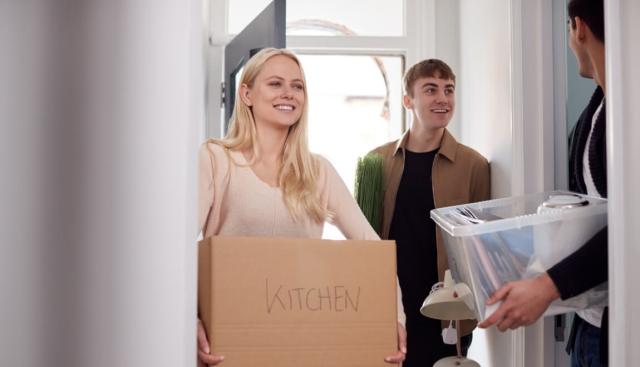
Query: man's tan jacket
x,y
459,175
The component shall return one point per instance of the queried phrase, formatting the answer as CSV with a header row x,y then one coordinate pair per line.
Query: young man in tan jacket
x,y
426,169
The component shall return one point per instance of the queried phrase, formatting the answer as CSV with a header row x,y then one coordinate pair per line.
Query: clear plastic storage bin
x,y
494,242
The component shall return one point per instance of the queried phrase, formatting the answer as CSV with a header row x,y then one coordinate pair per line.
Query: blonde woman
x,y
261,179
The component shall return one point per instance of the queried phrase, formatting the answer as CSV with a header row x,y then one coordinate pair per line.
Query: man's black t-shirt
x,y
415,236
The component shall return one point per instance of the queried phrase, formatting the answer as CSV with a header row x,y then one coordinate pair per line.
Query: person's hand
x,y
523,302
204,354
398,357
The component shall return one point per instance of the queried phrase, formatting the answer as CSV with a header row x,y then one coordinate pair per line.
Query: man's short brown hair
x,y
433,68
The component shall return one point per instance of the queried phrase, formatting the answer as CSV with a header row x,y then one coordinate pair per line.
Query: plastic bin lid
x,y
573,209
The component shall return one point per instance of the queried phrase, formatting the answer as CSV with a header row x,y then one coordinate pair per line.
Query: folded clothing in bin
x,y
494,242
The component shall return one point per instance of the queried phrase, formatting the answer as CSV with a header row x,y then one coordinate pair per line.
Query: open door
x,y
266,30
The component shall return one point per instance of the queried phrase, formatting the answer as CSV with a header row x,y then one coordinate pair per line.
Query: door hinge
x,y
223,96
559,325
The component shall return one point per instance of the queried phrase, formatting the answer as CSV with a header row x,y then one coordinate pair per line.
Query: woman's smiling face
x,y
278,93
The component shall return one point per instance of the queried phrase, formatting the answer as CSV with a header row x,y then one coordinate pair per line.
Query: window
x,y
354,106
353,63
383,17
354,66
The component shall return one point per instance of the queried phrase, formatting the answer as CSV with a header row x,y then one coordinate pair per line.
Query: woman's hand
x,y
398,357
205,358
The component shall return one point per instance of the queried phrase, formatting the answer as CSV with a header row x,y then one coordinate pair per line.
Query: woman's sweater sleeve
x,y
346,213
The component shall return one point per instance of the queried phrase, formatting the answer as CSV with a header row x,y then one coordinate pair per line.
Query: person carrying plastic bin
x,y
425,169
523,302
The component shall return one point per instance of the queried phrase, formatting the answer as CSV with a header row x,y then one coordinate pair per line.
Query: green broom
x,y
368,189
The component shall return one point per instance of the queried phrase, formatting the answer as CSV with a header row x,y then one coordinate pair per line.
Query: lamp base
x,y
456,362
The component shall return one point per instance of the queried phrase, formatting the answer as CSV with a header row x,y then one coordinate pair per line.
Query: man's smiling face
x,y
432,101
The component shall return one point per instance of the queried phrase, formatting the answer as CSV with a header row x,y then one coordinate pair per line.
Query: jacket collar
x,y
448,145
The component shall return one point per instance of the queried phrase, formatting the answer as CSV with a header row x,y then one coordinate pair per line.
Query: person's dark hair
x,y
591,12
427,68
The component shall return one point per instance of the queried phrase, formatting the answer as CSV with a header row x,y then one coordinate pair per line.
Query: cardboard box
x,y
298,302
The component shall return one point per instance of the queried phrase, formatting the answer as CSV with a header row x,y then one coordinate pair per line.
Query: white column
x,y
488,114
101,106
534,134
623,132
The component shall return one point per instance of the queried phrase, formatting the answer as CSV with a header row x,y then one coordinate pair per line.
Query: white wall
x,y
446,41
623,131
101,106
484,98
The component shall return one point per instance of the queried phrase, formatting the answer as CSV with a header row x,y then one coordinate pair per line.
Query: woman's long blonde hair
x,y
300,169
